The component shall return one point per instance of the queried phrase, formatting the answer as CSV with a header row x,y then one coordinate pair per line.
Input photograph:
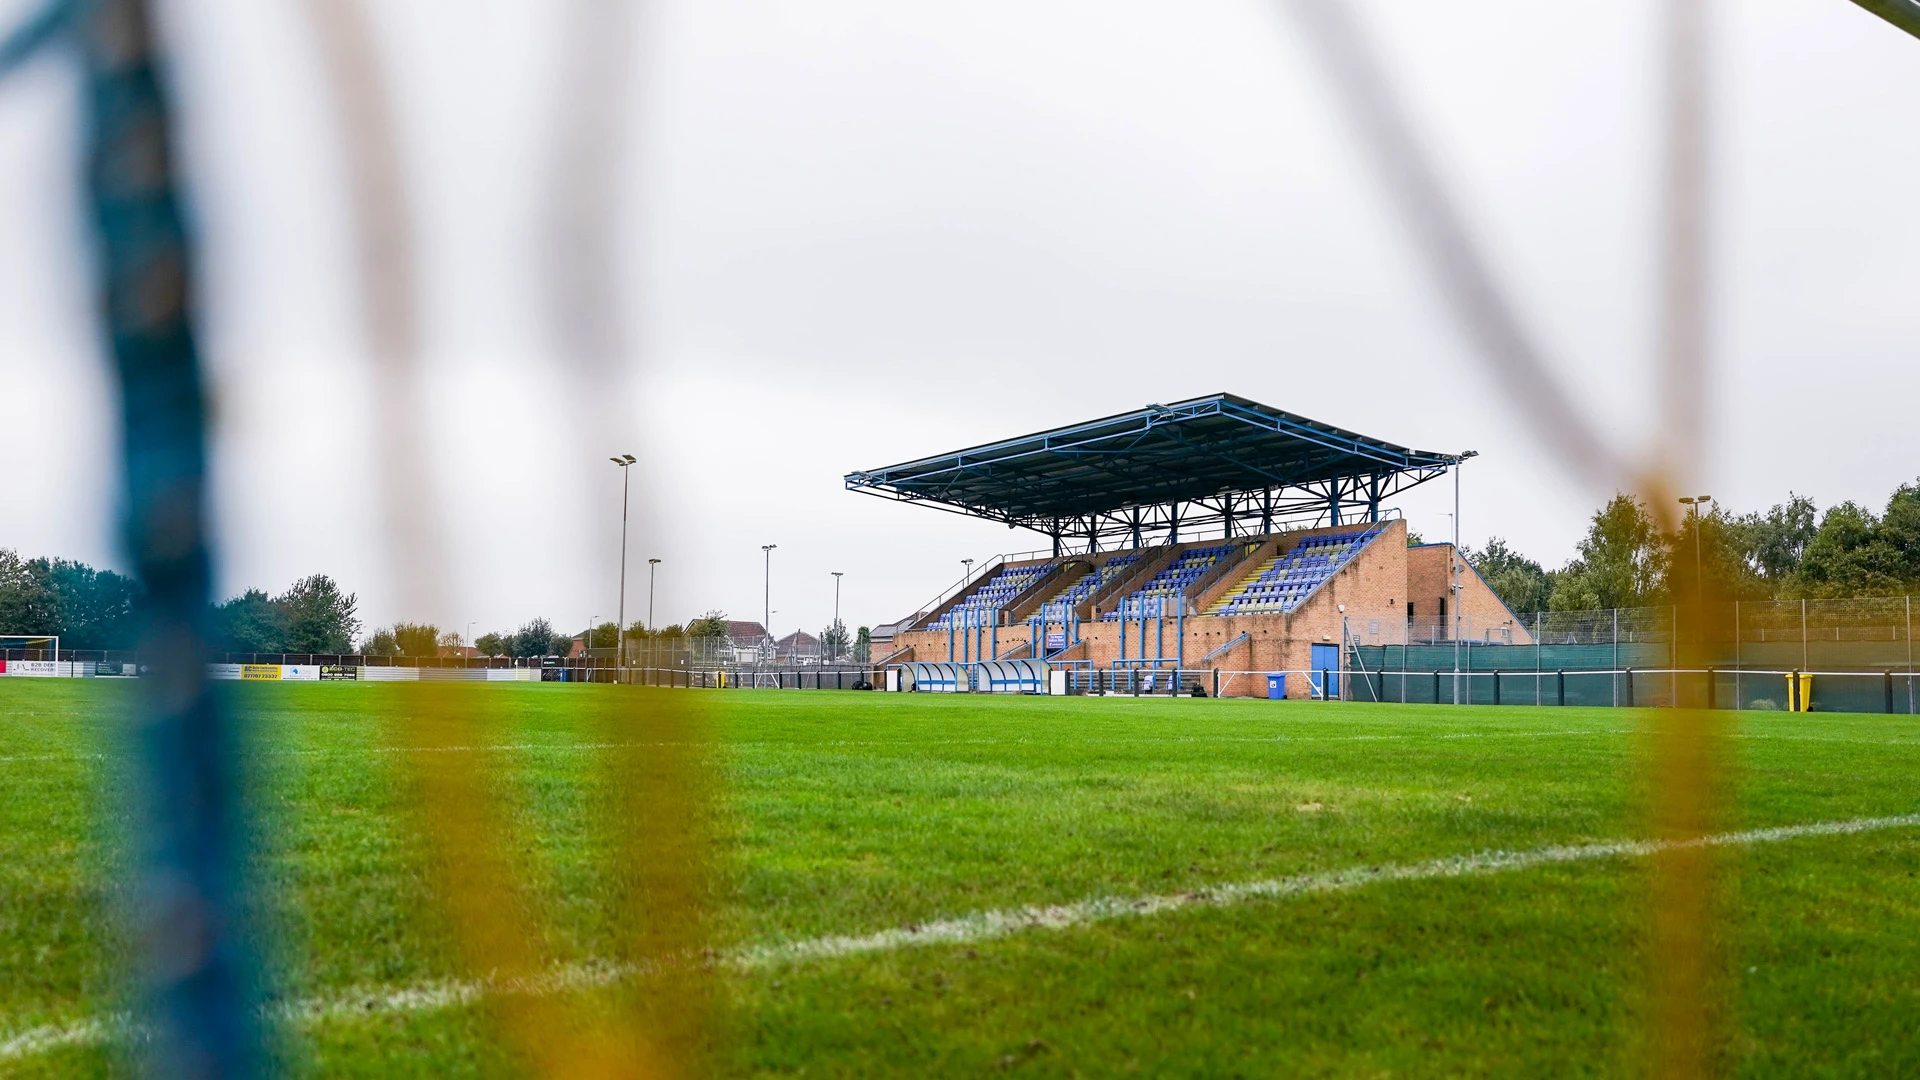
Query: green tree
x,y
1900,533
834,641
417,639
494,644
1723,552
863,646
88,608
1772,543
1855,553
17,599
536,638
708,627
251,623
319,618
380,643
605,636
1622,562
1521,583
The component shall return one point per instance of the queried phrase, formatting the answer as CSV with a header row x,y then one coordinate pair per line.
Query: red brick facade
x,y
1365,600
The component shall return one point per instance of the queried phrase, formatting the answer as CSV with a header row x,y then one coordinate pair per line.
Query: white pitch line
x,y
988,925
967,929
40,1040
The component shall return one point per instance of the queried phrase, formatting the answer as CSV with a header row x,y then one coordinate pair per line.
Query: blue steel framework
x,y
199,961
1220,465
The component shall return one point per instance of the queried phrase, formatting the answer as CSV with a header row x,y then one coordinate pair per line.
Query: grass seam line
x,y
963,930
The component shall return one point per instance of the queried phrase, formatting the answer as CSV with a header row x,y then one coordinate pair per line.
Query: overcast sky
x,y
858,233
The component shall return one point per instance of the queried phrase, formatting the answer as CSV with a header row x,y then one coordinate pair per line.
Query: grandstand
x,y
1214,533
1173,581
1285,579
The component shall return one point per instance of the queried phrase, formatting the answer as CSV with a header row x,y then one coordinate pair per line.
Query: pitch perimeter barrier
x,y
1887,692
1783,689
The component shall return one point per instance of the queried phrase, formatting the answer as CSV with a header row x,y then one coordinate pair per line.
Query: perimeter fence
x,y
1743,655
1874,633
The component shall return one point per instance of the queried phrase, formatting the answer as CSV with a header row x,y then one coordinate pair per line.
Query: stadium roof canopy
x,y
1220,464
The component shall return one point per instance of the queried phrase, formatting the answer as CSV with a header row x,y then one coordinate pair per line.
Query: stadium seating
x,y
1281,583
1172,581
1093,581
990,597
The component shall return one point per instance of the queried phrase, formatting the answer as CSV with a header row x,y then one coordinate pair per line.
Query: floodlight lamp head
x,y
1465,454
653,560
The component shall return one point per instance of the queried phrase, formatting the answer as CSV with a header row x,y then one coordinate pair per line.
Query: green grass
x,y
855,813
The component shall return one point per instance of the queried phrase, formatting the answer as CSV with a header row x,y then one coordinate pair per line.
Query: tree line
x,y
96,610
1788,552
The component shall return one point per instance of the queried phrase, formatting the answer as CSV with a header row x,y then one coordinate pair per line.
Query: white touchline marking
x,y
987,925
35,1041
966,929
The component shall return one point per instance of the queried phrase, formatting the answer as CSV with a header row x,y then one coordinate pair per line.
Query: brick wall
x,y
1428,572
1373,589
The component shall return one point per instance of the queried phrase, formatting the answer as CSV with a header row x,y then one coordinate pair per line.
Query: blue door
x,y
1326,670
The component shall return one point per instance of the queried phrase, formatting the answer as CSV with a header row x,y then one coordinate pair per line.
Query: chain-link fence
x,y
1743,655
1868,633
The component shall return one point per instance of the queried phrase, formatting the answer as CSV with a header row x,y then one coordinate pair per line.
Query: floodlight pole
x,y
1457,621
837,575
652,564
1693,504
625,461
767,585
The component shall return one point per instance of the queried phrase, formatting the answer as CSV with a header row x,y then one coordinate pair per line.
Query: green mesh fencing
x,y
1853,672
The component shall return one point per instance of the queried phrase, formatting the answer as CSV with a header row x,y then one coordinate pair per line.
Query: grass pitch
x,y
851,823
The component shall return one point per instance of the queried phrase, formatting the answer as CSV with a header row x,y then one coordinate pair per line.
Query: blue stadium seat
x,y
1289,581
1173,580
990,597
